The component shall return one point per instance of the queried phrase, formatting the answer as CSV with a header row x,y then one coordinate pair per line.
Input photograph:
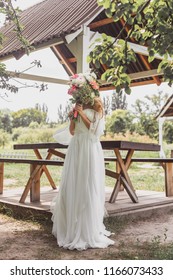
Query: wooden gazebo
x,y
68,28
166,113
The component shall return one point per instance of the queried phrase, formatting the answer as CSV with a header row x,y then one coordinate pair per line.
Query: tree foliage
x,y
63,112
25,117
168,132
118,100
150,23
146,111
4,138
120,121
12,16
5,120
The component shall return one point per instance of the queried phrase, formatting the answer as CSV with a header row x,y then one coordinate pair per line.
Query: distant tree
x,y
25,117
4,138
145,112
147,125
168,132
107,105
38,106
118,100
6,120
151,104
63,112
42,108
120,121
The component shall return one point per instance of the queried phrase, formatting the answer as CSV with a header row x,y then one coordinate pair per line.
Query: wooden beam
x,y
165,107
145,74
57,51
37,78
148,66
140,75
99,23
143,83
72,59
135,76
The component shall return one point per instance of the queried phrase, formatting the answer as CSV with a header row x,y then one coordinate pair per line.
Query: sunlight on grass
x,y
16,175
143,177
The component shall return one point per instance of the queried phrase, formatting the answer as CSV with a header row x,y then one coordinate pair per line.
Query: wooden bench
x,y
166,163
38,165
33,183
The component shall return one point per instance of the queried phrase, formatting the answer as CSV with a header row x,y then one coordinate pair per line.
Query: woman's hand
x,y
70,115
78,108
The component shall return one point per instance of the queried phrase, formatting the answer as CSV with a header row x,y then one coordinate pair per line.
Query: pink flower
x,y
94,85
72,89
75,76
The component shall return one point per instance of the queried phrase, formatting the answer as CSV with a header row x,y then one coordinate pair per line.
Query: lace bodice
x,y
96,127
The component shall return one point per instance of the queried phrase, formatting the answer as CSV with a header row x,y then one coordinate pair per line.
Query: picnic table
x,y
122,164
121,168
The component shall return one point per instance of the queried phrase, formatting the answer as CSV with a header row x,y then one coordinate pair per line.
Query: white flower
x,y
90,77
92,94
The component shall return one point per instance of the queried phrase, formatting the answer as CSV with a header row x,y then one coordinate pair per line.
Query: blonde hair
x,y
98,105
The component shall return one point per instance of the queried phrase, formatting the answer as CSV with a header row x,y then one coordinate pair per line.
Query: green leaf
x,y
124,1
151,58
128,90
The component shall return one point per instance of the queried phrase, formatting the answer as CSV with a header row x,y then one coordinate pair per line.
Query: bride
x,y
78,210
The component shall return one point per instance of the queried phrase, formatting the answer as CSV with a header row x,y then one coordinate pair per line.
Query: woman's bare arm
x,y
86,121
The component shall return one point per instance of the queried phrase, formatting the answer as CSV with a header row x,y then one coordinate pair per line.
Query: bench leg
x,y
1,177
118,170
37,169
35,184
169,178
124,178
45,169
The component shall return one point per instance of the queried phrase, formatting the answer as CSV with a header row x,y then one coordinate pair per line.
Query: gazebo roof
x,y
47,21
167,109
47,24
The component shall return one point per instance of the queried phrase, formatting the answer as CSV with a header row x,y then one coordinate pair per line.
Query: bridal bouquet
x,y
83,88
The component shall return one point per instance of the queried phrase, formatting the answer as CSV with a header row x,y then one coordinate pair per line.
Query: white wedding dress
x,y
78,210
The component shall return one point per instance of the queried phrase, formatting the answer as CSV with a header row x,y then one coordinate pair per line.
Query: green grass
x,y
18,174
154,250
143,177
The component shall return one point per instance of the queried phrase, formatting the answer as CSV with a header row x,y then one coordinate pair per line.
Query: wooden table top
x,y
106,145
127,145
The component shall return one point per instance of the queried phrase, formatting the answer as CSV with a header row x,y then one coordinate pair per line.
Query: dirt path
x,y
27,240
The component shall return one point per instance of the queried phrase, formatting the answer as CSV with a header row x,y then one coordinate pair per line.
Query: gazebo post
x,y
80,48
161,121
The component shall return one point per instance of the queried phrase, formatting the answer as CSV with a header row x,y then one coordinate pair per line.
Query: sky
x,y
55,94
